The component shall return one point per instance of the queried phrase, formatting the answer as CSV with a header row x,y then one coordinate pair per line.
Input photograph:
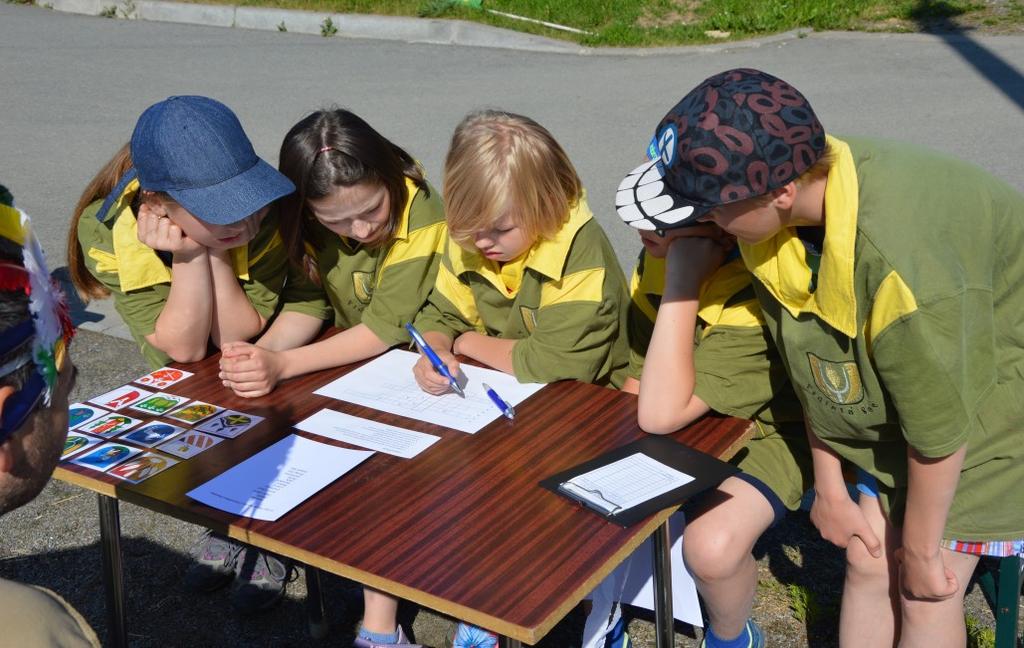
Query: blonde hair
x,y
819,169
499,161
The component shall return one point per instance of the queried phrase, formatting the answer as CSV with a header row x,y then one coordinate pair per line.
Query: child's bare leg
x,y
380,612
717,546
870,609
937,624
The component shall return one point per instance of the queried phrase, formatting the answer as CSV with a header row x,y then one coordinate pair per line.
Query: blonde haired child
x,y
529,283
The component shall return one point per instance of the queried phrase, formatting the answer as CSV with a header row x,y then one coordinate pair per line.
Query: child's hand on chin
x,y
159,233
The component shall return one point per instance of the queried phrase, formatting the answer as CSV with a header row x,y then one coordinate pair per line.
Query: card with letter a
x,y
120,398
190,444
163,378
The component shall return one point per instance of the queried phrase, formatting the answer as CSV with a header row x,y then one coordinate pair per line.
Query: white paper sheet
x,y
632,582
274,481
387,384
367,434
627,482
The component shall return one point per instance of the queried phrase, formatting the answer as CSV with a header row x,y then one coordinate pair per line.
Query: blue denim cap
x,y
194,149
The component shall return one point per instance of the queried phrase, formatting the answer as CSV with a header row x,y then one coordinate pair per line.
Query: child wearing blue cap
x,y
891,280
175,227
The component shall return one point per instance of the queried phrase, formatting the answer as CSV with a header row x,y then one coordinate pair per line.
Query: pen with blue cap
x,y
439,366
505,408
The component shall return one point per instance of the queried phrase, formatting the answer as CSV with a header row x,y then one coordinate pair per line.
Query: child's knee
x,y
861,566
713,551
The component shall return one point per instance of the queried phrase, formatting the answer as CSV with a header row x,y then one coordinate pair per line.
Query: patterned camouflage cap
x,y
738,135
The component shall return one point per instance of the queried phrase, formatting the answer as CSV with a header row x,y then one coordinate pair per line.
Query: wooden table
x,y
463,528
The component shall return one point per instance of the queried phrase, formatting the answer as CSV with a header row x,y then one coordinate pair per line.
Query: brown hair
x,y
500,161
87,286
335,148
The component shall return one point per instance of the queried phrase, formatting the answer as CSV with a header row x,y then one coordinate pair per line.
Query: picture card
x,y
120,398
103,457
76,443
152,434
230,423
110,425
159,403
194,412
82,413
164,377
140,468
190,444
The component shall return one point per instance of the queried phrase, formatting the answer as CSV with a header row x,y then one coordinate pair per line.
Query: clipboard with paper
x,y
638,479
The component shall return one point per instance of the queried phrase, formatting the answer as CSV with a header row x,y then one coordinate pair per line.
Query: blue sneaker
x,y
752,632
618,637
468,636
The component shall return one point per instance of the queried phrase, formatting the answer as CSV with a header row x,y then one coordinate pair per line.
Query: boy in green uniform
x,y
529,283
891,280
698,322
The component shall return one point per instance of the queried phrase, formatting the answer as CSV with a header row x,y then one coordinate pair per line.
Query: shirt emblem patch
x,y
529,318
362,286
839,381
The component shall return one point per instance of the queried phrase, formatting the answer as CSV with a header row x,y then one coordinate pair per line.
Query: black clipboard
x,y
707,472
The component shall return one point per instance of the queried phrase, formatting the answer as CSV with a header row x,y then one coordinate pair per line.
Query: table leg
x,y
315,609
664,622
113,572
509,642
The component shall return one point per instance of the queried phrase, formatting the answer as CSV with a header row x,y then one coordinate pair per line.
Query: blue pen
x,y
505,408
439,366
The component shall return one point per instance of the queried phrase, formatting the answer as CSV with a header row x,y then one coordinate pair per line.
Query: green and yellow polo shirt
x,y
140,280
382,287
565,301
737,370
914,333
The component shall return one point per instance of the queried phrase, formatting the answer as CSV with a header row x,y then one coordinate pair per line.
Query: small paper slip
x,y
387,384
274,481
623,484
368,434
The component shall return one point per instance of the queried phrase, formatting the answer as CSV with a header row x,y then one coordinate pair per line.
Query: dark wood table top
x,y
462,528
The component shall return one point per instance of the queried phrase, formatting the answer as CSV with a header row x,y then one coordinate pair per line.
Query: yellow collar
x,y
717,289
138,265
11,227
546,256
780,262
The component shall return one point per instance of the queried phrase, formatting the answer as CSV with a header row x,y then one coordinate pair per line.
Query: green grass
x,y
674,22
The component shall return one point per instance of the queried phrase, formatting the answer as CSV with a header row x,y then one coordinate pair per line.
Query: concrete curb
x,y
397,28
410,30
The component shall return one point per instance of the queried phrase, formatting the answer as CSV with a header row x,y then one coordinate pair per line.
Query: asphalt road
x,y
71,88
